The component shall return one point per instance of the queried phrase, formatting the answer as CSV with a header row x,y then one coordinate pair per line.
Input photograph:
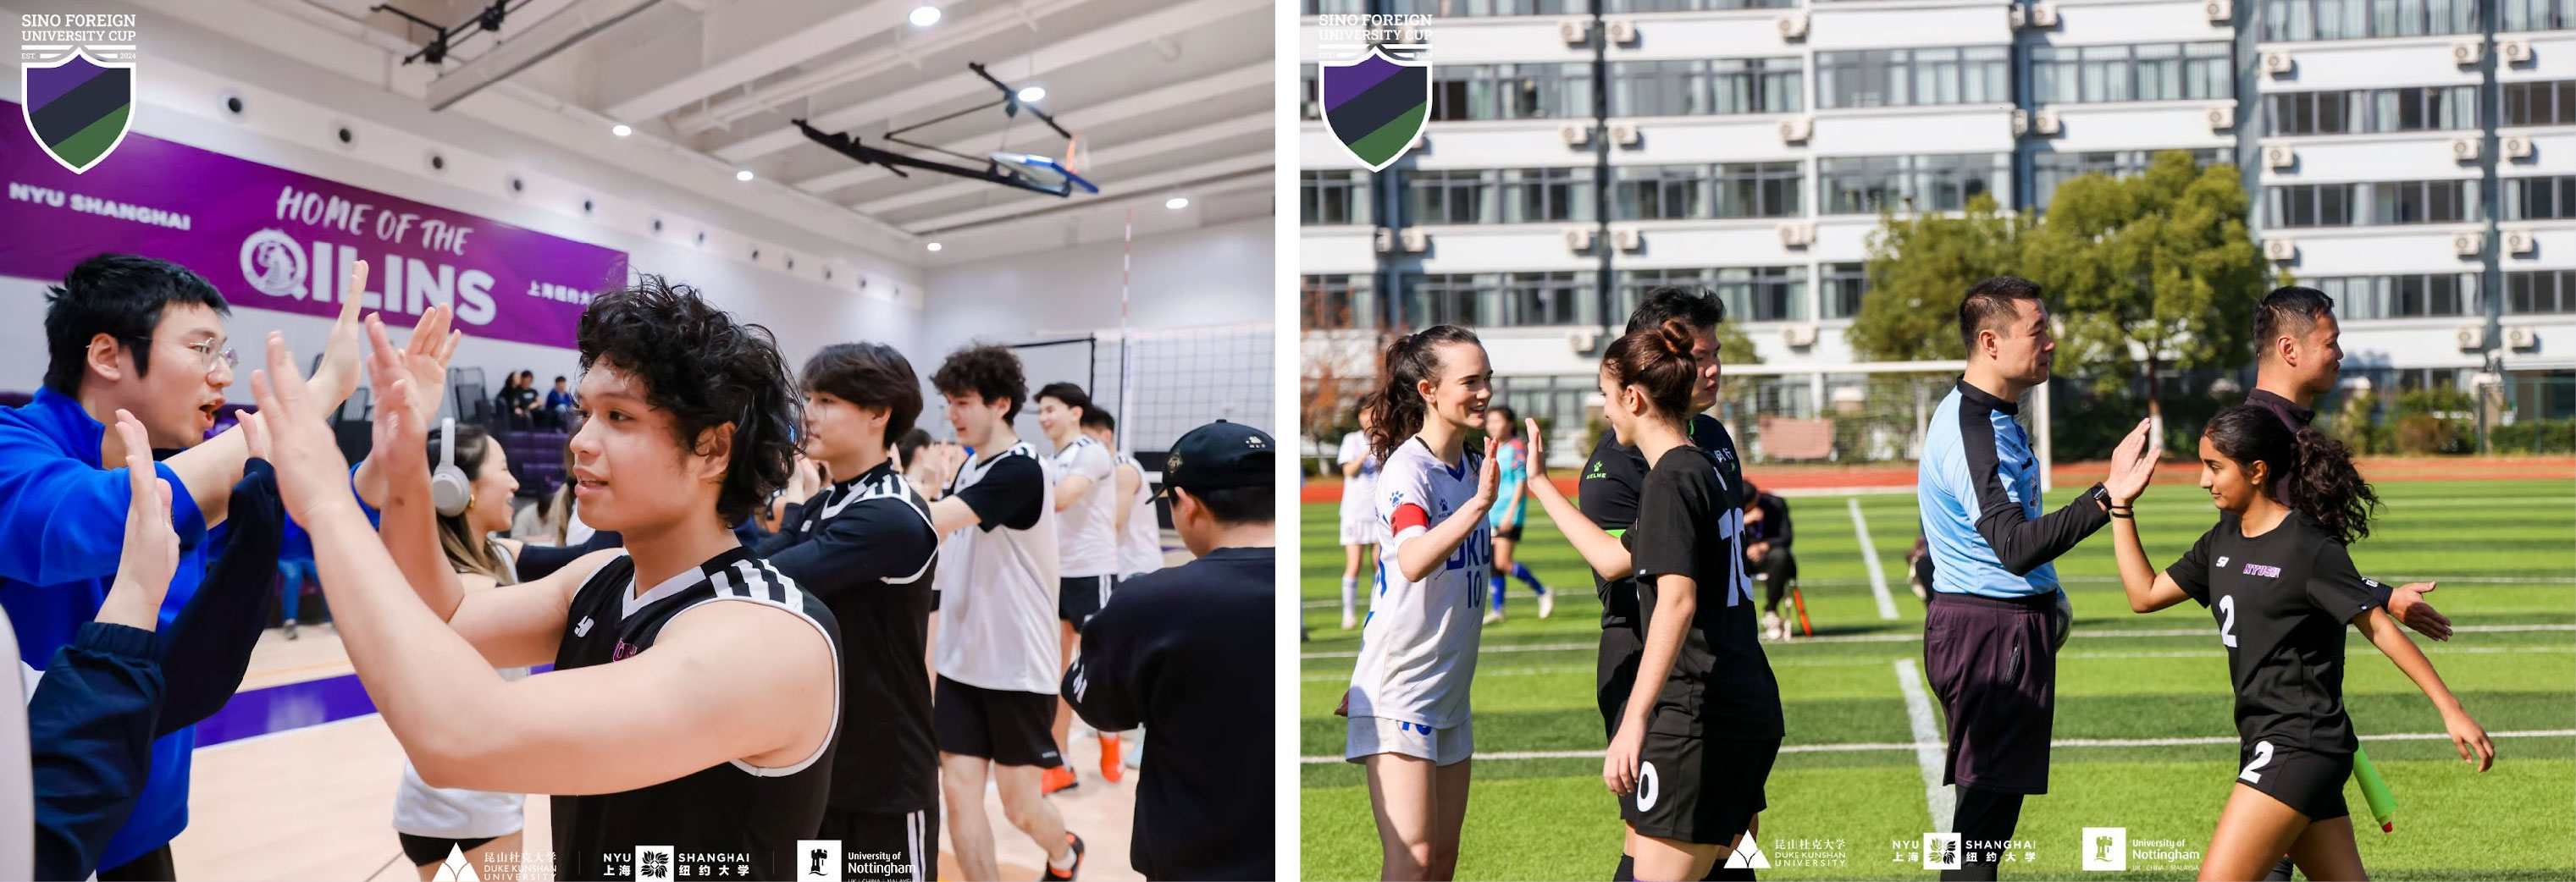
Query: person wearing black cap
x,y
1185,652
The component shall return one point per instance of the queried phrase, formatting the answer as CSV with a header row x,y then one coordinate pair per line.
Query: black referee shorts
x,y
1078,598
2309,783
1010,728
1990,662
882,845
1616,673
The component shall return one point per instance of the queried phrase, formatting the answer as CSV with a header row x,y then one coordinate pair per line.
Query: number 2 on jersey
x,y
2227,625
2262,757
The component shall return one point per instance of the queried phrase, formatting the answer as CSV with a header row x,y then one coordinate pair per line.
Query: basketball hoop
x,y
1077,155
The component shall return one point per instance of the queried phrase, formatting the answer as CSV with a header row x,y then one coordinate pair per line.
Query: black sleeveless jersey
x,y
725,821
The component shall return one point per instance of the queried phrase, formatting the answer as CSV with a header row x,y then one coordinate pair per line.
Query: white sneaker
x,y
1773,628
1494,617
1547,604
1350,621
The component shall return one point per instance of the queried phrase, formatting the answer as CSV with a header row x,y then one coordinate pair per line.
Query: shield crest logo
x,y
77,107
1375,104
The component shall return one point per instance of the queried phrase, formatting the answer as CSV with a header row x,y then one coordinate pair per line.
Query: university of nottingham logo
x,y
1375,104
77,106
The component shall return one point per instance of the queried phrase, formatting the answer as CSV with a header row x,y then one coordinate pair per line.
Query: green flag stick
x,y
2383,804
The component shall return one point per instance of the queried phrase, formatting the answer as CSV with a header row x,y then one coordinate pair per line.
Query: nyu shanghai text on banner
x,y
269,238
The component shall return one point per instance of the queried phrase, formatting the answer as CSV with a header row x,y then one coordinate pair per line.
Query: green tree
x,y
1732,346
1919,267
2151,272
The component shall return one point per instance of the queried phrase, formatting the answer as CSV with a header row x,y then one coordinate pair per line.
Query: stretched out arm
x,y
1428,547
2149,589
2465,733
1602,551
208,647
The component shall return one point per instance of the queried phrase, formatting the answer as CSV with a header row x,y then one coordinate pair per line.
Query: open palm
x,y
2133,464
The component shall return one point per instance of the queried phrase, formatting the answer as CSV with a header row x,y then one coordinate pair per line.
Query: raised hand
x,y
402,423
337,376
2406,602
423,359
2132,465
289,432
1537,450
151,552
1489,479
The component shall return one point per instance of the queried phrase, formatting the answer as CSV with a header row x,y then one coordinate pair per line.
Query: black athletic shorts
x,y
1078,598
424,850
1989,661
1010,728
879,846
1512,532
1698,789
1615,673
2309,783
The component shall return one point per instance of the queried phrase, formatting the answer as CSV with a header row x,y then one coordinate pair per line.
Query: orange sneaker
x,y
1110,769
1057,779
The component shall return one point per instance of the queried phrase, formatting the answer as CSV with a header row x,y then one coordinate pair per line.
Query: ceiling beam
x,y
1144,186
963,85
778,48
1108,113
539,42
1248,124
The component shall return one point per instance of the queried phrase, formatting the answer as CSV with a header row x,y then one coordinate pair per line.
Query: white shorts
x,y
1361,530
1443,747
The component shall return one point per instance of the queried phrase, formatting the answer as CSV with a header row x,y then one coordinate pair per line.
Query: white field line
x,y
1936,747
1333,602
1869,555
1908,637
1929,753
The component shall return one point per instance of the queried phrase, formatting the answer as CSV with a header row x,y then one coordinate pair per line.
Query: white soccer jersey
x,y
1088,528
1418,651
1140,546
1358,491
998,578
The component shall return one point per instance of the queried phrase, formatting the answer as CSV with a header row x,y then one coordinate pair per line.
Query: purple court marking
x,y
1342,84
292,706
46,84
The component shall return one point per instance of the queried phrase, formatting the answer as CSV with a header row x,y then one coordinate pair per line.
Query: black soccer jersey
x,y
716,819
866,546
2282,600
1608,494
1688,525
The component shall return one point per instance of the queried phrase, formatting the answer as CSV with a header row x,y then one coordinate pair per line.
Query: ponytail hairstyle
x,y
2314,471
1657,359
1396,409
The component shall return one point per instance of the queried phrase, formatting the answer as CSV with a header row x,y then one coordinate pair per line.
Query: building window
x,y
2539,104
2419,202
2539,198
1844,285
2402,296
2302,20
1763,293
1615,7
2413,109
1941,182
1757,85
2049,170
1444,299
2308,205
1533,195
1759,189
1904,77
1334,7
2536,15
1312,108
1511,91
1659,192
1328,198
1558,298
1477,8
1451,196
1633,285
2540,292
1337,301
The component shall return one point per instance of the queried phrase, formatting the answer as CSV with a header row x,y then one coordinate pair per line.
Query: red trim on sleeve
x,y
1408,516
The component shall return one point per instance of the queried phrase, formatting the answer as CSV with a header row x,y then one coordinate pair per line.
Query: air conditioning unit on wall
x,y
2514,146
1797,129
2222,117
1417,240
2218,11
1628,239
2280,249
2279,156
1793,25
2465,149
2468,244
1574,31
1578,238
1797,234
2276,62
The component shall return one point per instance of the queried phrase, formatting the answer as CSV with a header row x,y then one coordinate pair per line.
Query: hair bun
x,y
1675,335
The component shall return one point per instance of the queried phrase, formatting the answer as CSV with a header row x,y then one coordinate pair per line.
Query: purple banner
x,y
269,238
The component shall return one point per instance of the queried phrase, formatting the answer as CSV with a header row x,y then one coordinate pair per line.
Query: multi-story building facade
x,y
2415,158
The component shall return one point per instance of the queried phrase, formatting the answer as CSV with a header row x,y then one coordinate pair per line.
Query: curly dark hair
x,y
986,371
2313,470
707,370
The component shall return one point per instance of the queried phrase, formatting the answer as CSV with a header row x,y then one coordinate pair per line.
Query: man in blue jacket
x,y
145,336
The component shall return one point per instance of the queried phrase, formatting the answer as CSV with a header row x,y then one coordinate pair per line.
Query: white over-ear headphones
x,y
449,488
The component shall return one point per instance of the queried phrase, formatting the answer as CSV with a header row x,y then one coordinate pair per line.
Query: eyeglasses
x,y
210,351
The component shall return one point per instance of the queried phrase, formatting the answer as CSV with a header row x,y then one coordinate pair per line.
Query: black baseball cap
x,y
1219,455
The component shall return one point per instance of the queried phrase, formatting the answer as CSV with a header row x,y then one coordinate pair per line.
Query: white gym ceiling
x,y
1171,99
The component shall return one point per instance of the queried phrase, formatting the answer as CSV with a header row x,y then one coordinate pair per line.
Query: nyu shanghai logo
x,y
2255,569
1375,104
76,72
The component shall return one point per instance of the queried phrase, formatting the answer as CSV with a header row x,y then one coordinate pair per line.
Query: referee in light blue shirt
x,y
1997,617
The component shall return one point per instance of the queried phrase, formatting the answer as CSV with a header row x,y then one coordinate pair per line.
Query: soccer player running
x,y
1175,652
997,655
1610,484
1410,723
864,544
712,731
1996,616
2277,577
1361,531
1697,734
1511,457
1086,505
